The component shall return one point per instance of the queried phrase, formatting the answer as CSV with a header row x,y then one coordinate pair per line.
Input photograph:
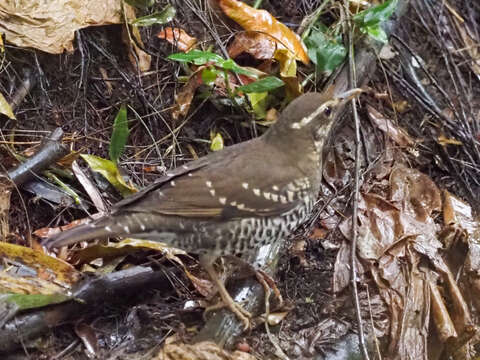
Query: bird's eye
x,y
328,111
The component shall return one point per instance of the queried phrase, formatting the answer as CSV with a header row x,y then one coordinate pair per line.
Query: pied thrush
x,y
234,200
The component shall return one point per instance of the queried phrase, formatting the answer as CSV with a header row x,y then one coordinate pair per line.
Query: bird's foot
x,y
243,315
269,284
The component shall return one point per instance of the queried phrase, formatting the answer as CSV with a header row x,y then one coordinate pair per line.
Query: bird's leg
x,y
268,283
227,301
262,277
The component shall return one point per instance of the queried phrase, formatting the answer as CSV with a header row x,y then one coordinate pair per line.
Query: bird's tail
x,y
99,229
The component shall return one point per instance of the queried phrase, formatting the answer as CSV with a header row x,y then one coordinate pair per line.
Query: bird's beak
x,y
346,96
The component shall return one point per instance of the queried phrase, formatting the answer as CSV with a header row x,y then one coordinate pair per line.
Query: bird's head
x,y
307,119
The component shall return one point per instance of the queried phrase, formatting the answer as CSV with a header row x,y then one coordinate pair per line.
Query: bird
x,y
234,200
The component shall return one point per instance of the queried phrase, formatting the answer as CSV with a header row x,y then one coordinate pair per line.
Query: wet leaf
x,y
162,17
217,142
178,37
119,135
110,171
5,108
262,21
266,84
325,53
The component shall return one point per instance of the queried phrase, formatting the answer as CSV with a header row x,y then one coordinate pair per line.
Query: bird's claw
x,y
243,315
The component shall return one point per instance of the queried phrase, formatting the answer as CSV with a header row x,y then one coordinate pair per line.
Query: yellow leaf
x,y
5,107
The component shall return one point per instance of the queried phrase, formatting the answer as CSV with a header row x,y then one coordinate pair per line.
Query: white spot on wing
x,y
233,203
222,200
283,199
274,197
208,183
245,185
291,195
275,188
190,174
266,195
240,206
142,226
212,192
126,229
172,183
256,192
108,228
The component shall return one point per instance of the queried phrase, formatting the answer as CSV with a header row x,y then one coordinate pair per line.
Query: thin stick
x,y
353,265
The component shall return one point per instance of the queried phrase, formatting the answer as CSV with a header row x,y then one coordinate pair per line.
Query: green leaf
x,y
376,32
140,3
31,301
119,135
209,75
266,84
197,57
5,108
325,53
109,171
232,66
376,15
259,104
217,142
162,17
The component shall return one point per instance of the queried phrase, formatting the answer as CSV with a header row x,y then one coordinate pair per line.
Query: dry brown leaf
x,y
5,194
138,57
178,37
50,25
259,45
201,351
394,132
46,267
183,99
262,21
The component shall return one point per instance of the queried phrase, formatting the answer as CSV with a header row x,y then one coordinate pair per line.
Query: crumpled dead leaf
x,y
398,244
259,45
205,350
262,21
50,25
394,132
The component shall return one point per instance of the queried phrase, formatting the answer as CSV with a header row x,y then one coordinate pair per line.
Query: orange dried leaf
x,y
184,98
178,37
262,21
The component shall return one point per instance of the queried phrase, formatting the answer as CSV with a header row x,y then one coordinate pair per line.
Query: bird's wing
x,y
222,187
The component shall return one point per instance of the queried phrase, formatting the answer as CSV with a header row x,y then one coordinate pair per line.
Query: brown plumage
x,y
234,200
